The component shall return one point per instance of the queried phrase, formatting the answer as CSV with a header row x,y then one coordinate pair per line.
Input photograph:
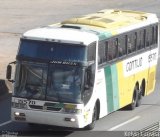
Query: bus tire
x,y
94,118
134,99
139,100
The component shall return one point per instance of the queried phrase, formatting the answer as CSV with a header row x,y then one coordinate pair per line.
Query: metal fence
x,y
151,131
153,127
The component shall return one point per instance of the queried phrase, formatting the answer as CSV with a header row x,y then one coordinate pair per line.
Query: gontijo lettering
x,y
131,65
152,57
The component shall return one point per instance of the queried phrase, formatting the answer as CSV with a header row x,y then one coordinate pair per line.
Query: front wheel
x,y
94,118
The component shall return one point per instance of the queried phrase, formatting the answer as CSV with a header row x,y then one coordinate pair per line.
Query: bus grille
x,y
53,109
18,105
35,107
45,108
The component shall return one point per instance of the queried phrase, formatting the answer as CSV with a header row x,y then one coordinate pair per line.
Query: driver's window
x,y
91,53
89,83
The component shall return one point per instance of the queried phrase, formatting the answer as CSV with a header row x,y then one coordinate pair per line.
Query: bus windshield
x,y
53,82
52,50
64,83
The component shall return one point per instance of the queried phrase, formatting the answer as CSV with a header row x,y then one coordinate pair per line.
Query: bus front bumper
x,y
48,118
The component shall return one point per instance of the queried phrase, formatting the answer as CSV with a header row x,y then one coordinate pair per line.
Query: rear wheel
x,y
134,99
139,100
94,118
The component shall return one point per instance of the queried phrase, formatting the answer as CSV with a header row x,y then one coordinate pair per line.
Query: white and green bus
x,y
72,73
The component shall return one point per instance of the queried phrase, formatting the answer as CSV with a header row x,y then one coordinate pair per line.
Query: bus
x,y
74,72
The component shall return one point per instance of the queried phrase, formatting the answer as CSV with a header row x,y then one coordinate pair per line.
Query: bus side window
x,y
120,50
112,49
148,37
131,42
139,42
121,46
155,34
101,52
129,45
145,38
115,49
134,40
140,39
152,36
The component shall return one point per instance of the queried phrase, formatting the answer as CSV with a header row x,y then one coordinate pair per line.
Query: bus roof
x,y
58,34
104,24
114,21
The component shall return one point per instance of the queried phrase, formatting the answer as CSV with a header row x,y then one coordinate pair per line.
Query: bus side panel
x,y
134,70
121,78
101,92
152,60
112,88
151,80
124,85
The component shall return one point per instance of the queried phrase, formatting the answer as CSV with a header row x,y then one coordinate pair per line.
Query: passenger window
x,y
112,49
140,39
131,45
101,52
152,38
148,37
155,34
121,46
134,40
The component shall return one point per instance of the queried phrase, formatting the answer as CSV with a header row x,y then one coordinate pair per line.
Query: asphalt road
x,y
20,15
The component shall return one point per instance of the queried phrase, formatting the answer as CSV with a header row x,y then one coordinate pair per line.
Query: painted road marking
x,y
124,123
5,123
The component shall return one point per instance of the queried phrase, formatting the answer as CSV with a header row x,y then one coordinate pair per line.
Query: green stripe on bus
x,y
104,35
115,87
112,88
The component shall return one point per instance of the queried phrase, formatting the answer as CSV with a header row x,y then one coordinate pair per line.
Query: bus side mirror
x,y
9,72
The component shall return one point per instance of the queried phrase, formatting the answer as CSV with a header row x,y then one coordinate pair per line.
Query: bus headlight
x,y
69,108
16,113
75,111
